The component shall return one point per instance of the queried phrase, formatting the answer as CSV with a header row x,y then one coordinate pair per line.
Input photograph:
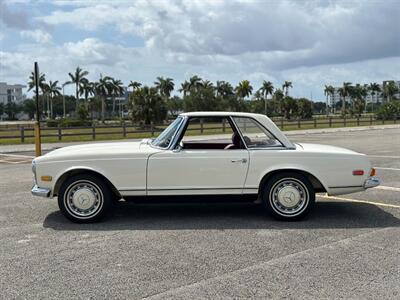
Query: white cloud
x,y
37,35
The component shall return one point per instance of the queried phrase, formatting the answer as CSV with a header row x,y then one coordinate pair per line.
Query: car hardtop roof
x,y
218,114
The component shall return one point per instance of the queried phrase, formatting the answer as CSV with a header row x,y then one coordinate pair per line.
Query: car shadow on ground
x,y
200,216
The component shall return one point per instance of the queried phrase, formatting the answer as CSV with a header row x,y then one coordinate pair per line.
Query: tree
x,y
164,86
147,105
389,90
374,89
304,108
194,83
329,92
41,83
116,89
244,89
103,89
278,97
285,87
344,92
358,94
134,85
86,88
82,112
289,107
266,89
53,90
77,78
185,86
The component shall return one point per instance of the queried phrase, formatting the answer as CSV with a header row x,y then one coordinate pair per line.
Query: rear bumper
x,y
371,182
40,192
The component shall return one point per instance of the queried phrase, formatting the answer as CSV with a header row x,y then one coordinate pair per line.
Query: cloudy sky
x,y
311,43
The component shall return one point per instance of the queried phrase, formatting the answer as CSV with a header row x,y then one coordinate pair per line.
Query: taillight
x,y
358,172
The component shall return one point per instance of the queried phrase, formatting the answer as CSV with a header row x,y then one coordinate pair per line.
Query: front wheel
x,y
288,196
85,199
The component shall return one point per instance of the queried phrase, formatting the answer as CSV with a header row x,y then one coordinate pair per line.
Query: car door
x,y
194,172
207,162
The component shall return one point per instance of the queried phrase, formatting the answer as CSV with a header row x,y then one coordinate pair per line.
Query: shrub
x,y
389,110
68,123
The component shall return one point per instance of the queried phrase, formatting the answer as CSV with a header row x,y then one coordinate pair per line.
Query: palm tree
x,y
165,86
244,89
103,89
329,91
76,78
279,97
344,92
194,83
134,85
224,89
86,88
41,83
389,90
266,89
374,88
53,90
185,87
116,90
207,84
286,86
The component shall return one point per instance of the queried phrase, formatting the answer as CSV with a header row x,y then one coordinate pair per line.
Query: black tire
x,y
81,191
288,196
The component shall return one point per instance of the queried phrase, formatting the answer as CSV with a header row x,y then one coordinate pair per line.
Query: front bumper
x,y
41,192
371,182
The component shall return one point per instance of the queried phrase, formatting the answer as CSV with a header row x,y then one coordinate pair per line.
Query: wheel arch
x,y
315,182
83,170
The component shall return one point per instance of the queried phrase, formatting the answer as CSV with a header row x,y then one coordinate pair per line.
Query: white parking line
x,y
384,156
392,169
387,188
16,155
360,201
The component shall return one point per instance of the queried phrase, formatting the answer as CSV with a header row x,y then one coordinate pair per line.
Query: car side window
x,y
254,134
210,133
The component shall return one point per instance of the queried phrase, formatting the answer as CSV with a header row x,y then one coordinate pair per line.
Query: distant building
x,y
377,97
11,93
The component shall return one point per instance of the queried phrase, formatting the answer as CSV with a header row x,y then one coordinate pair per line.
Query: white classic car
x,y
242,155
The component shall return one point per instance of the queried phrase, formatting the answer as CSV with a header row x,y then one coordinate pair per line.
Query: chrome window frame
x,y
282,147
173,137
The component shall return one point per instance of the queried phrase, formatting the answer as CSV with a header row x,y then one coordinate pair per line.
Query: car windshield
x,y
165,138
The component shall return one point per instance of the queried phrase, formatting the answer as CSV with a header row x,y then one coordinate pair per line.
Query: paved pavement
x,y
348,248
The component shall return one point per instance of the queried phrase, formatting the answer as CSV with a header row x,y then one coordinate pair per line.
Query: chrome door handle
x,y
243,160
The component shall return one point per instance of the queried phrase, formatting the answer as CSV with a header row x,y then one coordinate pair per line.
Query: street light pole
x,y
38,144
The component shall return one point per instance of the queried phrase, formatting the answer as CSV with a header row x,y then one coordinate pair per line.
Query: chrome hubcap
x,y
83,199
289,196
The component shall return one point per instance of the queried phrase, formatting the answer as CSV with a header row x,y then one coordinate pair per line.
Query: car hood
x,y
95,150
318,148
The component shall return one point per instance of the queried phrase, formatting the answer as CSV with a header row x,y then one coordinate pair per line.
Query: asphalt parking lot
x,y
348,248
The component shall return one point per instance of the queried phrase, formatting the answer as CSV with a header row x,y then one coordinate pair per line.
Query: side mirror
x,y
178,147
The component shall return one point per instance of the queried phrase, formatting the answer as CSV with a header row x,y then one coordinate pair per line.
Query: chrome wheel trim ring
x,y
83,199
289,197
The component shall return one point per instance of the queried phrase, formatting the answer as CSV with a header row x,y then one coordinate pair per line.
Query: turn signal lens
x,y
358,172
46,178
373,172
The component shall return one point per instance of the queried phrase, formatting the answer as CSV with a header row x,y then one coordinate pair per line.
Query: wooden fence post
x,y
298,123
201,126
93,131
344,121
223,125
330,121
124,129
281,123
59,132
358,121
370,120
22,130
152,128
315,122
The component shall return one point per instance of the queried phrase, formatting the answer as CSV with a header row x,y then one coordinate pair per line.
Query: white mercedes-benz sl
x,y
208,154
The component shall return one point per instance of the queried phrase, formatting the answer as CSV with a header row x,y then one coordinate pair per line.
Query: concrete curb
x,y
51,146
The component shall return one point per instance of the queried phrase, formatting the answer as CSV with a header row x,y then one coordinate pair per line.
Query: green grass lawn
x,y
115,133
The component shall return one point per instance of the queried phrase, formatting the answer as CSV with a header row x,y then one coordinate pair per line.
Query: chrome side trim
x,y
40,192
371,182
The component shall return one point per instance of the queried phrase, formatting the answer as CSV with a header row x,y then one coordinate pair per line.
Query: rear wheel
x,y
85,198
288,196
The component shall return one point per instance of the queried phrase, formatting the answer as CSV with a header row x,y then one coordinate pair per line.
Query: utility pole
x,y
38,143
